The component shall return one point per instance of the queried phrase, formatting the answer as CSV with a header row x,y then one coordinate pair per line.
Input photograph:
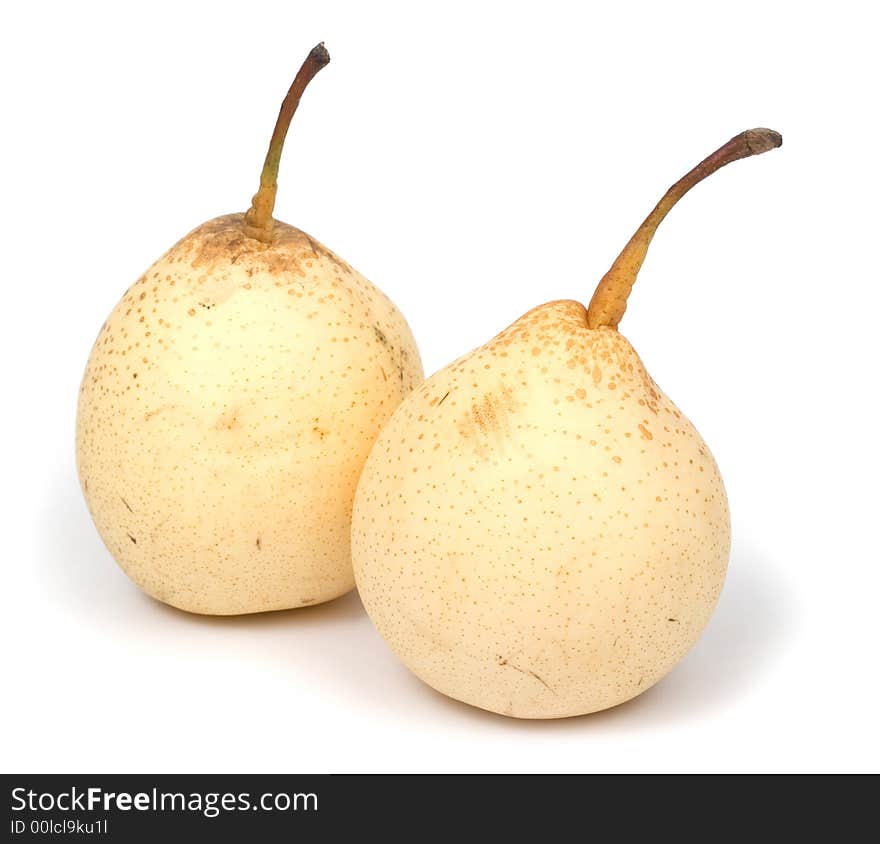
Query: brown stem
x,y
609,301
258,221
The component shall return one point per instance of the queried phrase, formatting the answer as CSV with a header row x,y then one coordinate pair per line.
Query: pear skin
x,y
539,531
227,409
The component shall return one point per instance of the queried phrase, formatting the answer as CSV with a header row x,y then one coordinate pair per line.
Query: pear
x,y
229,404
538,530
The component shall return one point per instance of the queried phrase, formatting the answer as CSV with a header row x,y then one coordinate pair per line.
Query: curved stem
x,y
609,301
258,221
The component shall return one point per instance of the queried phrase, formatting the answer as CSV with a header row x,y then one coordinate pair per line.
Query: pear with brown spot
x,y
539,531
228,407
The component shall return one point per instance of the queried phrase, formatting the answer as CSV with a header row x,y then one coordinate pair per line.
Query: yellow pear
x,y
538,530
229,404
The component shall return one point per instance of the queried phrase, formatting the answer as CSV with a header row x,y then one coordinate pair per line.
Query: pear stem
x,y
258,222
609,301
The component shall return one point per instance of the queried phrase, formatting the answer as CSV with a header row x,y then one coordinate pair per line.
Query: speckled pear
x,y
229,404
539,531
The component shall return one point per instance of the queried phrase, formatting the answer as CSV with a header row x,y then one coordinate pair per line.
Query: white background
x,y
473,160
